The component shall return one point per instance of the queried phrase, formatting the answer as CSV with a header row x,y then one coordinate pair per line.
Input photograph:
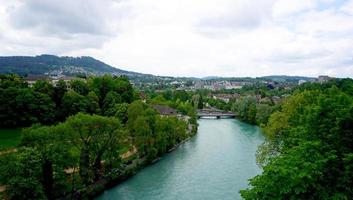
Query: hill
x,y
56,66
51,65
284,78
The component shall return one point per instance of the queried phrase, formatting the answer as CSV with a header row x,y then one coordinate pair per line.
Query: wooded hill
x,y
55,65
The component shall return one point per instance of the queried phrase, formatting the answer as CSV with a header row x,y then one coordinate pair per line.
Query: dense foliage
x,y
308,153
252,103
46,103
81,134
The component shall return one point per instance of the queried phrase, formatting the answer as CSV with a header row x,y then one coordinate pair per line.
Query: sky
x,y
196,38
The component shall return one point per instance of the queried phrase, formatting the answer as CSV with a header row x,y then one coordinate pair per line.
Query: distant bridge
x,y
214,113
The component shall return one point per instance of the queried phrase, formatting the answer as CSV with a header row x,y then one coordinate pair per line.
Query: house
x,y
300,82
143,96
226,97
33,78
323,79
165,110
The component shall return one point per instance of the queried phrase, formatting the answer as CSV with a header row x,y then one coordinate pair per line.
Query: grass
x,y
9,138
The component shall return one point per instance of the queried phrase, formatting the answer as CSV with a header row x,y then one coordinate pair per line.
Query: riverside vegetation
x,y
308,148
307,153
81,137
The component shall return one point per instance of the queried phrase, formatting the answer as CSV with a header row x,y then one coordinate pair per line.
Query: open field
x,y
9,138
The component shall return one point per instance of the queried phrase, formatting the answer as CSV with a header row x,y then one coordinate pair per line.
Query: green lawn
x,y
9,138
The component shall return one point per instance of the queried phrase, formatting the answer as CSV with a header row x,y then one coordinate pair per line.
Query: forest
x,y
308,151
81,136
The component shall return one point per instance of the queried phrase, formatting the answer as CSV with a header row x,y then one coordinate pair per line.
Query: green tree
x,y
134,110
44,109
119,111
73,103
79,86
142,132
43,86
110,100
308,148
12,80
54,151
21,173
92,103
245,108
200,103
22,107
105,84
93,135
263,112
59,90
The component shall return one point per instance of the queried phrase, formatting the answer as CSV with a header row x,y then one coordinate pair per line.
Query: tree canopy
x,y
309,147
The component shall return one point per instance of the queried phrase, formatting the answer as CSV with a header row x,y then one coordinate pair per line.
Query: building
x,y
323,79
165,110
32,78
300,82
226,97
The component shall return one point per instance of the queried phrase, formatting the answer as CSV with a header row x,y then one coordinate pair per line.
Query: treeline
x,y
308,151
90,134
252,110
185,102
252,103
46,103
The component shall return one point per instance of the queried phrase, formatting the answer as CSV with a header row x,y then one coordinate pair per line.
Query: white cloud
x,y
188,38
284,8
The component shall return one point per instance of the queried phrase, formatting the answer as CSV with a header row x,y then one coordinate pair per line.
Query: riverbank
x,y
118,176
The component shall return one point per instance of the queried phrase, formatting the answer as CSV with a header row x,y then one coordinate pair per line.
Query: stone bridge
x,y
214,113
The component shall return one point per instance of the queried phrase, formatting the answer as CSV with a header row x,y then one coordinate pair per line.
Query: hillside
x,y
51,65
284,78
56,66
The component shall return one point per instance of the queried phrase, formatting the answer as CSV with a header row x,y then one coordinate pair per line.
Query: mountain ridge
x,y
52,65
58,65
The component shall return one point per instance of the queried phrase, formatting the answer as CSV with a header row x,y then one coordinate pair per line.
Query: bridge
x,y
214,113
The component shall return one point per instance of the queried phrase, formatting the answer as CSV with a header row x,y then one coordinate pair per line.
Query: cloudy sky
x,y
188,37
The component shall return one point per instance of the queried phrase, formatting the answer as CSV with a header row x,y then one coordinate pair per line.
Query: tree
x,y
135,109
22,107
200,103
79,86
93,135
54,151
59,90
43,86
142,131
110,100
300,172
263,112
246,109
24,101
105,84
308,148
21,173
12,80
92,103
119,111
72,103
44,109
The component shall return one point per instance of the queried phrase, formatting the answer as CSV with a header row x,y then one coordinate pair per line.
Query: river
x,y
215,164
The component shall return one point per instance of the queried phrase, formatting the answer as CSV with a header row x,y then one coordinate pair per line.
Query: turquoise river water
x,y
215,164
